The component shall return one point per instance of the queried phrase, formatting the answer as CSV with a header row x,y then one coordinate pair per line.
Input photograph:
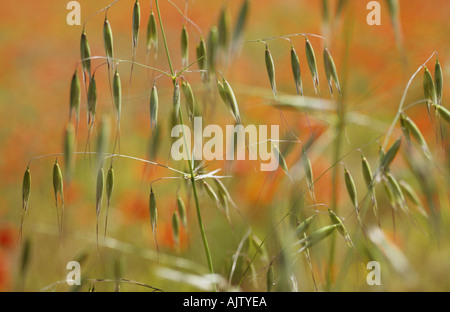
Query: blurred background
x,y
38,55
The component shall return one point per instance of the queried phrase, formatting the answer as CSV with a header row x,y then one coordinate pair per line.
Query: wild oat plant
x,y
308,244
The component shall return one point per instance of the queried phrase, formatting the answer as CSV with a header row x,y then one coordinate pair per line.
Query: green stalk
x,y
191,170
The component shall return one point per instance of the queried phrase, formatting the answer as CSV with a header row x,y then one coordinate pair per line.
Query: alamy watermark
x,y
237,142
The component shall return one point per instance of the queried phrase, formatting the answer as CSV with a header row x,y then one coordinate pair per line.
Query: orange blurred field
x,y
38,54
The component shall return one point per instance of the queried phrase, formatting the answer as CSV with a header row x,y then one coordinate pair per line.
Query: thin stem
x,y
99,11
194,188
185,17
164,38
400,107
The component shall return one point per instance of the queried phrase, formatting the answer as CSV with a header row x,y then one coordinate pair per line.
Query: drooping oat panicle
x,y
213,40
176,99
153,108
438,81
443,112
222,28
109,189
189,96
240,23
429,89
184,46
341,228
308,173
153,212
57,182
26,187
75,96
312,64
224,191
295,64
176,228
92,100
152,35
69,144
136,23
182,211
412,129
108,39
270,67
117,94
230,100
85,52
330,70
390,154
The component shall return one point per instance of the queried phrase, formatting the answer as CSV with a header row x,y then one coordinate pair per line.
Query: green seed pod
x,y
367,172
330,70
92,99
85,54
176,99
269,279
153,108
209,190
184,46
75,96
213,39
182,211
108,39
351,188
26,187
57,181
308,172
318,236
109,184
136,22
443,112
153,211
396,190
231,100
281,160
222,93
295,64
176,228
152,35
103,139
428,87
412,195
438,81
69,142
304,226
189,95
201,54
270,71
117,92
223,29
241,21
415,132
390,155
99,191
312,64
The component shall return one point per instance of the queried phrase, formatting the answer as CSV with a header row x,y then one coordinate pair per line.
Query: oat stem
x,y
194,188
